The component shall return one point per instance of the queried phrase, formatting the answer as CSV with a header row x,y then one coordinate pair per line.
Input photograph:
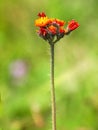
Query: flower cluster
x,y
51,29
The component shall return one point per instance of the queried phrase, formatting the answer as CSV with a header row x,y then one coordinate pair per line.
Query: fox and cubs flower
x,y
49,28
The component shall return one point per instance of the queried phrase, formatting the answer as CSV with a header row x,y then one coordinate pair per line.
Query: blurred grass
x,y
26,100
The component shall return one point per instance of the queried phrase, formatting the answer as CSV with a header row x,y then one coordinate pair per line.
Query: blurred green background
x,y
25,69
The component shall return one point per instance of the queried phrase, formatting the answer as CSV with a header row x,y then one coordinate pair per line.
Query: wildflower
x,y
52,29
72,25
59,22
42,22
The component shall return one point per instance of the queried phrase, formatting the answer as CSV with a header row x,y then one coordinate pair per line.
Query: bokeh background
x,y
25,68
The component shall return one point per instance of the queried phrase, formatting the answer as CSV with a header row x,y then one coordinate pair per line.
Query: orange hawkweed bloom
x,y
51,27
72,25
59,22
42,21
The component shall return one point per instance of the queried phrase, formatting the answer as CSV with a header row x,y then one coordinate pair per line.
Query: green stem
x,y
53,102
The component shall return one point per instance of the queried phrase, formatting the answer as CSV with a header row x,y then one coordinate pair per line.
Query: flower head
x,y
42,22
49,28
59,22
72,25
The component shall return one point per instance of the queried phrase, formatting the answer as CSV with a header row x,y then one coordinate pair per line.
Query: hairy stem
x,y
53,102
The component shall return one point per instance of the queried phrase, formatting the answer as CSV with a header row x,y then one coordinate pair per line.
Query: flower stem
x,y
53,102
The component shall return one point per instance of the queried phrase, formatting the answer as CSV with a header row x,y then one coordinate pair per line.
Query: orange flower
x,y
72,25
52,29
42,21
59,22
